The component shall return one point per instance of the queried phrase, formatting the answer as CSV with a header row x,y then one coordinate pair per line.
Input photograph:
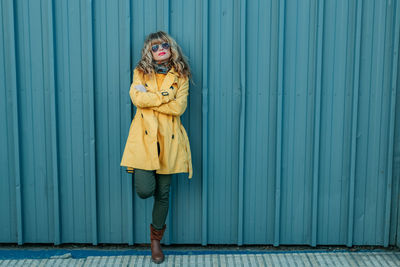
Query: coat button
x,y
172,136
145,84
145,131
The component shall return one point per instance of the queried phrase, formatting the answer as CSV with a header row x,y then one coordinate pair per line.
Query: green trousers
x,y
149,183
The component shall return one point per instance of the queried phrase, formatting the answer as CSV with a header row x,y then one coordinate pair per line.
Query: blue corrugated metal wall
x,y
293,121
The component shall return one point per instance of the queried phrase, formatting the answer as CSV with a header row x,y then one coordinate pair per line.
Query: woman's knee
x,y
145,192
144,183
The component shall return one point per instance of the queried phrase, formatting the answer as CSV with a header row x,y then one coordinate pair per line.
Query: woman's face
x,y
161,51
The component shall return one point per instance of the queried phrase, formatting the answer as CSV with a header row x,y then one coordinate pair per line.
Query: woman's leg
x,y
144,182
160,211
161,200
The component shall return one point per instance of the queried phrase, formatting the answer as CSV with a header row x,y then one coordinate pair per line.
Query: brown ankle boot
x,y
157,255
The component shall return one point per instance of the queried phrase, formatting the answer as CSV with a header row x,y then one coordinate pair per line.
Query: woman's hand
x,y
140,88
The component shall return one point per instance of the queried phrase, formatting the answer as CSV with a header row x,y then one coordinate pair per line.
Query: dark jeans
x,y
148,183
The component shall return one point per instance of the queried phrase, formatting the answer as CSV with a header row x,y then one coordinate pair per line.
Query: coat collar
x,y
170,78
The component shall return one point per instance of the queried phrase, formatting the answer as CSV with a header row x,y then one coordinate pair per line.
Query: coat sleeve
x,y
177,106
148,99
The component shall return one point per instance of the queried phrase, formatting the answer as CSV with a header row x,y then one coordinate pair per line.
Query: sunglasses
x,y
154,48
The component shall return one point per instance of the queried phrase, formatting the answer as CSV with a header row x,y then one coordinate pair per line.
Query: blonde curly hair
x,y
177,59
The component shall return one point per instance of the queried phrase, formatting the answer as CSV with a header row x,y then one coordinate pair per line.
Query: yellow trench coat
x,y
157,118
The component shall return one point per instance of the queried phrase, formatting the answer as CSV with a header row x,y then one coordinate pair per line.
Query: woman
x,y
158,145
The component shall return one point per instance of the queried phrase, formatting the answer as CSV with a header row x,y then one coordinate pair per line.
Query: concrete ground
x,y
108,255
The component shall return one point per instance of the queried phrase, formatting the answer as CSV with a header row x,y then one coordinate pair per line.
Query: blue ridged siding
x,y
293,121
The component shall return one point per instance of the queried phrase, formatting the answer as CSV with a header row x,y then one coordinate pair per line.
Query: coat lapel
x,y
151,82
170,78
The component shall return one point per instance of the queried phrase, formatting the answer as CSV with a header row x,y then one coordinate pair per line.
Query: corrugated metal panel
x,y
292,120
